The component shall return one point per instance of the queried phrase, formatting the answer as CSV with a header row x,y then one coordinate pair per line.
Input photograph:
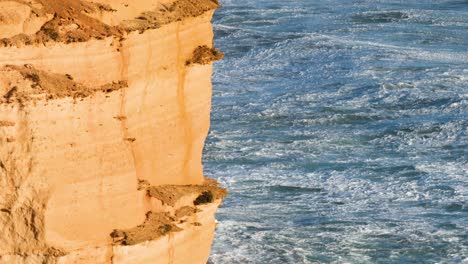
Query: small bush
x,y
204,198
33,77
51,33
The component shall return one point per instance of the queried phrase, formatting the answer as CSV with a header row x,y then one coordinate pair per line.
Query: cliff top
x,y
30,22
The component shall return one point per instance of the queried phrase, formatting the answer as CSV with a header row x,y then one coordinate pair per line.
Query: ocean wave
x,y
379,17
340,141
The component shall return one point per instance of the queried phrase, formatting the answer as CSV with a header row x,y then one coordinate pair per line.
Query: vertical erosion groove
x,y
110,253
186,123
171,248
124,60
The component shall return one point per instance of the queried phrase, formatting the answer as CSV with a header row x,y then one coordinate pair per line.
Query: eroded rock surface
x,y
104,110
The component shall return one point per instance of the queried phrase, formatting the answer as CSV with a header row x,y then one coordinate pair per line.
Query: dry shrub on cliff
x,y
155,225
32,83
73,20
170,194
204,55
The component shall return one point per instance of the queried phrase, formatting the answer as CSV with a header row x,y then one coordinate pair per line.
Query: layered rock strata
x,y
104,110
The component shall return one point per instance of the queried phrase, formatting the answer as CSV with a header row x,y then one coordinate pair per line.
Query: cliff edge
x,y
104,110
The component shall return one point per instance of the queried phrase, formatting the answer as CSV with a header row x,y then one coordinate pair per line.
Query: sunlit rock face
x,y
104,110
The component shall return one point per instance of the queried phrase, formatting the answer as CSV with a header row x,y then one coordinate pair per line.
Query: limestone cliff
x,y
104,110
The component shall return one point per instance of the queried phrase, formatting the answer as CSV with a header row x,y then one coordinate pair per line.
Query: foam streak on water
x,y
341,131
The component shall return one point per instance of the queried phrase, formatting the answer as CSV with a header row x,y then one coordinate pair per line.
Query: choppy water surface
x,y
341,131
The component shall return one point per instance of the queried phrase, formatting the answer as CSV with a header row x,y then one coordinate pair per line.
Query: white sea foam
x,y
340,141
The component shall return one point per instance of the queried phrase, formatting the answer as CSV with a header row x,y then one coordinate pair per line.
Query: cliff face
x,y
104,110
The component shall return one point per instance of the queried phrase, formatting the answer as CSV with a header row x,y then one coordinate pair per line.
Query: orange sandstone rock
x,y
102,126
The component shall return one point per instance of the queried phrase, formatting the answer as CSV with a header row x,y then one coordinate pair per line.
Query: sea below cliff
x,y
340,129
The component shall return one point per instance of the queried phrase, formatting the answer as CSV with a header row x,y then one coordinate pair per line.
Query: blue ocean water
x,y
340,129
